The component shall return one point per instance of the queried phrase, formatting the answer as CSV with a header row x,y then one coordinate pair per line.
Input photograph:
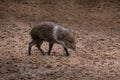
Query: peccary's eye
x,y
70,41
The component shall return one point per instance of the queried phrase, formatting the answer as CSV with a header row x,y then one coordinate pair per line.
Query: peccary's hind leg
x,y
66,50
50,47
38,45
30,46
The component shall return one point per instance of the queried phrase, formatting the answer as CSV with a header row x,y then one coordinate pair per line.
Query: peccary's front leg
x,y
38,45
66,50
30,46
50,47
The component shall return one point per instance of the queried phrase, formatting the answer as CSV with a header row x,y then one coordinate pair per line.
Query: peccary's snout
x,y
74,48
70,44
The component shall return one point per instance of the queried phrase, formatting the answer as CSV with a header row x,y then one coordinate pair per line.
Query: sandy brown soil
x,y
98,41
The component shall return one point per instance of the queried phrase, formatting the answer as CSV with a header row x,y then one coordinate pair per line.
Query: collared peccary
x,y
52,33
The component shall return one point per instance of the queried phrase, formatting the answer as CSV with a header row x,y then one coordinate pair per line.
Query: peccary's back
x,y
43,31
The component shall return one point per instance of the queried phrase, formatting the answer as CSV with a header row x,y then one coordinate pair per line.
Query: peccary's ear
x,y
61,36
75,33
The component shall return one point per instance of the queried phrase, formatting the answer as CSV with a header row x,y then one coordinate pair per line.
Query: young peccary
x,y
52,33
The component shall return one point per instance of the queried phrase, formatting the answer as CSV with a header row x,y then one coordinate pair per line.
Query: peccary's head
x,y
68,38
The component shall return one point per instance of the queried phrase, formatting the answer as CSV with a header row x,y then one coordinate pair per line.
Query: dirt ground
x,y
97,23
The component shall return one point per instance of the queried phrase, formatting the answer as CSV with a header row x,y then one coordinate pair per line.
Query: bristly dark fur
x,y
52,33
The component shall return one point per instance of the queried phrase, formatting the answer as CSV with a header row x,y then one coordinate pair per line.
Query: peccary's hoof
x,y
67,55
49,54
29,54
43,54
